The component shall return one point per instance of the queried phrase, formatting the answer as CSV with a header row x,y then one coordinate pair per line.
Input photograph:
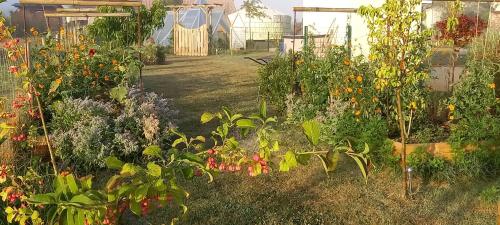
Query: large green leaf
x,y
362,167
43,198
245,123
312,131
82,199
290,159
129,169
303,158
113,163
70,180
263,109
284,166
330,161
153,151
154,170
207,117
118,93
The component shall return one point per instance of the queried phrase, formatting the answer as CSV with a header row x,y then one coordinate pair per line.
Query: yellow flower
x,y
451,107
101,65
357,113
353,100
349,90
59,80
359,78
374,99
492,85
451,117
82,47
413,105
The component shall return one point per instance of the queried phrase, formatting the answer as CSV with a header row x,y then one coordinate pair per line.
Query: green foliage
x,y
491,194
253,8
474,105
426,165
123,31
276,81
84,70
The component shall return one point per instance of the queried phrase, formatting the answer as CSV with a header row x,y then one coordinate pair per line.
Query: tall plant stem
x,y
403,139
46,134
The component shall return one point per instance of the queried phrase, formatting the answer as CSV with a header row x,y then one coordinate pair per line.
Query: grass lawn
x,y
305,195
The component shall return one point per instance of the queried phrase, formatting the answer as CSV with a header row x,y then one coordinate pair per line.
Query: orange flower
x,y
59,80
359,78
348,90
64,173
106,78
101,65
347,62
114,61
492,85
378,110
360,91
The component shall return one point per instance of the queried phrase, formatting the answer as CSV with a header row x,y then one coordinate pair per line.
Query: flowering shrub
x,y
87,131
83,70
467,27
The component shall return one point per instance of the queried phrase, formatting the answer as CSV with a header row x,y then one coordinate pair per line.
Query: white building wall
x,y
320,22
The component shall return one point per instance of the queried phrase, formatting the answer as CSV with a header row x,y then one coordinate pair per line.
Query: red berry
x,y
211,151
256,157
231,168
222,167
263,163
237,168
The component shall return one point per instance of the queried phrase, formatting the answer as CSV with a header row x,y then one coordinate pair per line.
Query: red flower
x,y
13,69
92,52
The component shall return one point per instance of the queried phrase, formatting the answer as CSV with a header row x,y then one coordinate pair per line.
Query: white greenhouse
x,y
270,27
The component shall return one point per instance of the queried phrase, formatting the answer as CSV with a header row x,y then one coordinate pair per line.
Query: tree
x,y
398,47
123,30
458,30
253,9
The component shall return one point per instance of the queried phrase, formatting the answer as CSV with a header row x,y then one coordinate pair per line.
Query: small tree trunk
x,y
403,139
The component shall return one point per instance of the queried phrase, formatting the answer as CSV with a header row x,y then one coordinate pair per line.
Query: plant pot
x,y
440,149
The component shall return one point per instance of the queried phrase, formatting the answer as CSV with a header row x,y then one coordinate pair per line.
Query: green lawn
x,y
305,195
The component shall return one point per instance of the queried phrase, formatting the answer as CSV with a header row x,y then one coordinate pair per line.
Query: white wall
x,y
319,23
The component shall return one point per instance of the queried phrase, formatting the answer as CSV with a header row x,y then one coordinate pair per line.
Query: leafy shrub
x,y
276,81
87,131
154,53
425,164
474,108
122,31
80,71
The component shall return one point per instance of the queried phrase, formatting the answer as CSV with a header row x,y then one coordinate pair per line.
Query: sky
x,y
284,6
